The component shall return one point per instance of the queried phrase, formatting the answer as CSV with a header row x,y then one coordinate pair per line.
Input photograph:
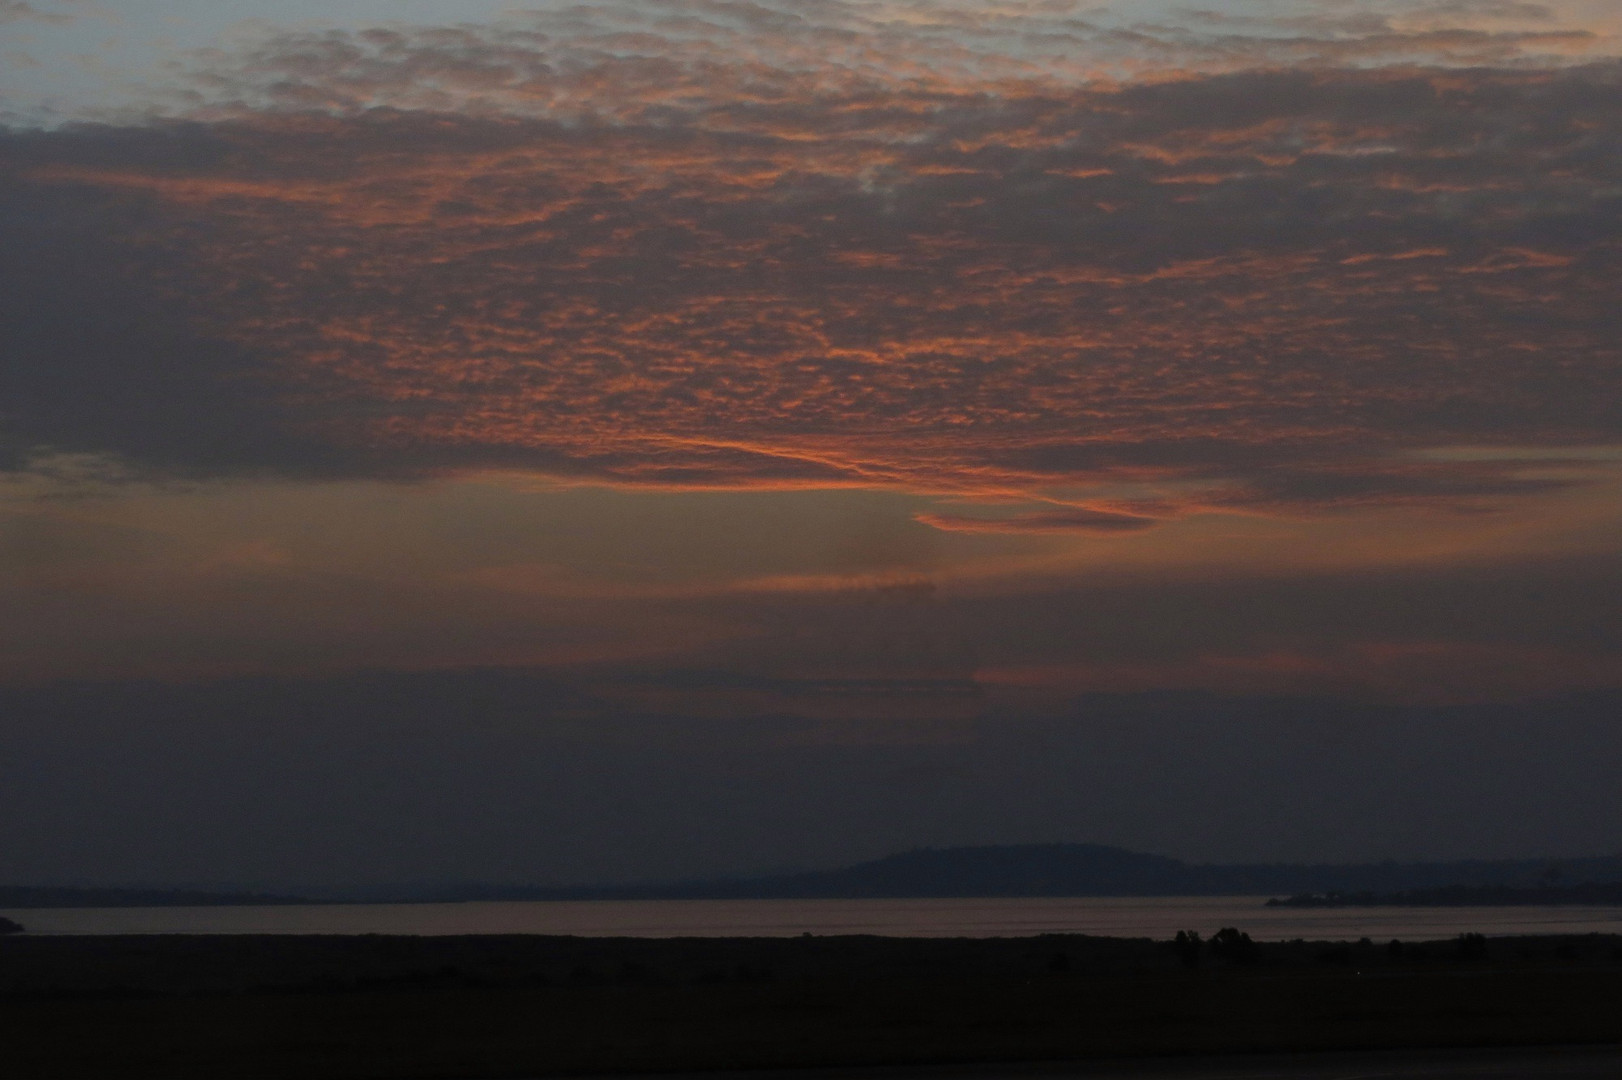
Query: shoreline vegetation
x,y
344,1008
1029,870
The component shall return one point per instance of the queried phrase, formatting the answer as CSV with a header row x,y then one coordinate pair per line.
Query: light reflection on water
x,y
1156,917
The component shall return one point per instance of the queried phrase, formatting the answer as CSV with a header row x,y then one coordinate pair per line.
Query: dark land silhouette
x,y
991,871
33,896
335,1008
1588,893
1078,870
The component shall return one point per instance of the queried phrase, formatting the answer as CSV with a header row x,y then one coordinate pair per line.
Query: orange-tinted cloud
x,y
1055,521
1252,290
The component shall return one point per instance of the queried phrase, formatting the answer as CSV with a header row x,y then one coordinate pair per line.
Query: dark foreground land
x,y
387,1007
1542,1063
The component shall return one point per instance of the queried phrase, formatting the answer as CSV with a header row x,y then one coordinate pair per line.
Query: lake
x,y
1156,917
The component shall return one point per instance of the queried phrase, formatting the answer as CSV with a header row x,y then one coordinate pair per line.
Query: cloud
x,y
616,58
358,779
1078,274
1489,631
23,11
1056,521
1262,290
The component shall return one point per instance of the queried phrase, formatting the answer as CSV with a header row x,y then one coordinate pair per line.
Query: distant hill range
x,y
1592,893
1003,871
27,896
1086,870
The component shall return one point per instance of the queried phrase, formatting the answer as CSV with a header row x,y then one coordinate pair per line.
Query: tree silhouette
x,y
1187,946
1234,946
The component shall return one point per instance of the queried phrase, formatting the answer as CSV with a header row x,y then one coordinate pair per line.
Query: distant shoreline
x,y
991,872
1588,894
25,897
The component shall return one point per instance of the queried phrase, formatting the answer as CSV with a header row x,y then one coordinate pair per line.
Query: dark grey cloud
x,y
361,780
99,355
837,726
1453,632
23,11
1054,521
1520,607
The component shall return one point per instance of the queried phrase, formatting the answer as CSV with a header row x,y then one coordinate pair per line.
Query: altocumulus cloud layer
x,y
732,245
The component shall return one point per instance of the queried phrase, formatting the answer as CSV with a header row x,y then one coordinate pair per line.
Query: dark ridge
x,y
1076,870
1031,870
1588,893
25,896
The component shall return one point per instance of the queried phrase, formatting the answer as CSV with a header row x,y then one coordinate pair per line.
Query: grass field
x,y
389,1007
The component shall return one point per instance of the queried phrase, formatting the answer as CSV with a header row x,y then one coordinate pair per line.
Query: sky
x,y
565,442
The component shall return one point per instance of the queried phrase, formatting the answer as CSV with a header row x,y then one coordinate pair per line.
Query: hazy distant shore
x,y
1588,894
29,896
1028,870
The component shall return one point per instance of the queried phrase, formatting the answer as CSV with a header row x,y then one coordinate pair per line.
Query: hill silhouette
x,y
36,896
1083,870
1589,893
1024,870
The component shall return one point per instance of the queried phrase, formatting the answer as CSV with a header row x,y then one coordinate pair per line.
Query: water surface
x,y
1156,917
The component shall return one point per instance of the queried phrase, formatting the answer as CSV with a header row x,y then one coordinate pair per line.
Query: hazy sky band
x,y
439,393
